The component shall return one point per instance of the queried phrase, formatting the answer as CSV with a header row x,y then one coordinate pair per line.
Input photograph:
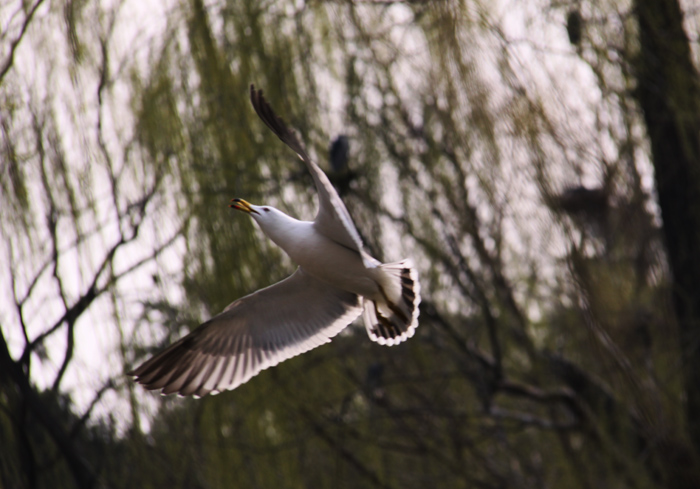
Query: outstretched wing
x,y
252,334
333,219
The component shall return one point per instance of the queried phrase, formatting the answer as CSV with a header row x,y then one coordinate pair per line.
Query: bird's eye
x,y
266,209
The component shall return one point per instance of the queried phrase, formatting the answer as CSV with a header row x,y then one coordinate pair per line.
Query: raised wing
x,y
252,334
333,219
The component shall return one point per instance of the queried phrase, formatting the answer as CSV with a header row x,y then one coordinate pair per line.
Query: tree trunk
x,y
669,94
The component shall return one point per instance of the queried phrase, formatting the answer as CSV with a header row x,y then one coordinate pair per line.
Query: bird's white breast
x,y
316,254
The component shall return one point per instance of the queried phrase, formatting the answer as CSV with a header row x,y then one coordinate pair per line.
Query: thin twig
x,y
15,43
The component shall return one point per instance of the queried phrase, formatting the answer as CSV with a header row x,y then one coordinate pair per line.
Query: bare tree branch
x,y
5,67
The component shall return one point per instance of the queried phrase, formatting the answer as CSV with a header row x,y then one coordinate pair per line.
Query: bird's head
x,y
263,214
277,225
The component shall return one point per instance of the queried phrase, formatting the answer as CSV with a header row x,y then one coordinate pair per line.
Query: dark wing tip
x,y
265,112
274,122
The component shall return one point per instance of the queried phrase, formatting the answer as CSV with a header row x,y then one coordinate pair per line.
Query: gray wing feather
x,y
252,334
333,219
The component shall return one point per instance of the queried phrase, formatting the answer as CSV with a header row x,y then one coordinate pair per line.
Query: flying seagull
x,y
334,283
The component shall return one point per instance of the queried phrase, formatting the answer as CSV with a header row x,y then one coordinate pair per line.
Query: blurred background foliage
x,y
538,160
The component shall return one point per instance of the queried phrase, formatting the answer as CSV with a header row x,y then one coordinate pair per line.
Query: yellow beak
x,y
242,205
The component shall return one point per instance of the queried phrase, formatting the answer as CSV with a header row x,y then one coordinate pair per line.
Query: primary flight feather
x,y
334,283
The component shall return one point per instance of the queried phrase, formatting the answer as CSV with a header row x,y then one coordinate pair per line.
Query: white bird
x,y
334,283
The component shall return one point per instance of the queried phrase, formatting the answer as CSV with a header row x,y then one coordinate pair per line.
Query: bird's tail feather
x,y
395,318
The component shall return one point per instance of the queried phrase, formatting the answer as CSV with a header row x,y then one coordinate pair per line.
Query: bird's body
x,y
317,254
335,282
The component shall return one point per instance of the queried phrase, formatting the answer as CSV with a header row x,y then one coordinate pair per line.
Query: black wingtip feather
x,y
275,123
